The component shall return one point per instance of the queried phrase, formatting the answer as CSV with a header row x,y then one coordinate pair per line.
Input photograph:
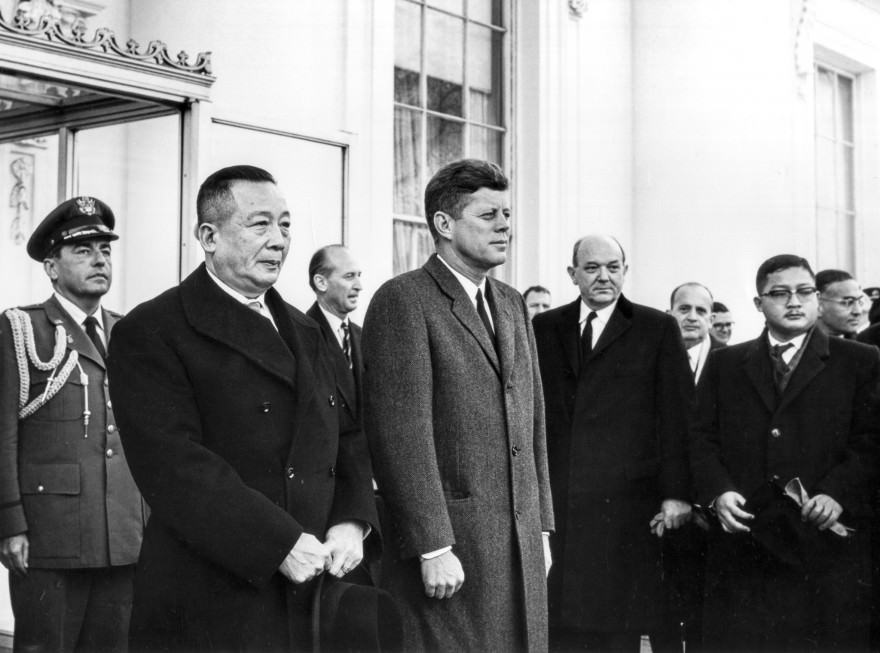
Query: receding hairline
x,y
692,284
598,238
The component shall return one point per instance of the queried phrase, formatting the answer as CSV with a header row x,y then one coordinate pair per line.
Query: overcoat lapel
x,y
77,340
568,334
757,368
812,363
462,307
216,315
504,329
344,374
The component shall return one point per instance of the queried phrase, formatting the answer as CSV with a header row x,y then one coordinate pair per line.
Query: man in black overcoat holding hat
x,y
784,453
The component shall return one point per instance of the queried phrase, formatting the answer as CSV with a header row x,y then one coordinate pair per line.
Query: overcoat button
x,y
775,433
290,472
775,477
111,428
266,406
109,453
332,471
515,450
331,400
40,488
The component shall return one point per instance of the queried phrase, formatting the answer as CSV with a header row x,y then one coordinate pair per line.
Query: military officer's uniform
x,y
64,480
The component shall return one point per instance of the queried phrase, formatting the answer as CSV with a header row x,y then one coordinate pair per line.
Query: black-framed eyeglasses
x,y
846,302
784,295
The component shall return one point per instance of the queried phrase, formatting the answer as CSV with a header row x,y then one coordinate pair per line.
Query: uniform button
x,y
775,433
106,383
331,400
332,471
109,453
111,428
290,472
515,450
266,406
109,404
40,488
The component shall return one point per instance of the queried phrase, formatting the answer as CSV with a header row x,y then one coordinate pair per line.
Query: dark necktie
x,y
484,316
587,336
91,325
780,367
346,342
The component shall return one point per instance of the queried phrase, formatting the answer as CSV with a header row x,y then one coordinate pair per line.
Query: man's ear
x,y
320,282
443,224
207,235
50,269
757,301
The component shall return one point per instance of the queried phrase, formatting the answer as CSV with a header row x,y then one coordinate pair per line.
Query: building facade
x,y
706,135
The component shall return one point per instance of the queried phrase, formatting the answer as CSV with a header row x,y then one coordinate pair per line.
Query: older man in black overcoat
x,y
228,407
618,392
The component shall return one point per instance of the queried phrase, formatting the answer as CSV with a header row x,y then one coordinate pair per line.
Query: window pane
x,y
845,189
407,51
407,161
486,144
824,103
846,239
826,239
412,245
445,62
485,11
825,173
845,111
135,168
455,6
445,143
28,190
484,74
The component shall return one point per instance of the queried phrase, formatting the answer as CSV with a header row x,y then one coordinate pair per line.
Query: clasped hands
x,y
342,551
822,511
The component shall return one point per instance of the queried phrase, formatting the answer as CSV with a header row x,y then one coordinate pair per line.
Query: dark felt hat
x,y
778,527
354,617
79,218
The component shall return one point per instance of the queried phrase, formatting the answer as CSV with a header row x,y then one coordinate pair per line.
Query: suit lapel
x,y
505,328
812,362
215,314
344,374
618,324
77,340
757,368
462,307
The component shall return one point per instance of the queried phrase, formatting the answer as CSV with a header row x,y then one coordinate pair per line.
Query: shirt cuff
x,y
435,554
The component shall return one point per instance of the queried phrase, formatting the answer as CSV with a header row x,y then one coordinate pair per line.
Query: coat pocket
x,y
50,495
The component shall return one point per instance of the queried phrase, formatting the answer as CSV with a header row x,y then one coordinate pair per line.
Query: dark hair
x,y
320,263
450,185
577,244
690,284
214,201
825,278
777,263
718,307
535,289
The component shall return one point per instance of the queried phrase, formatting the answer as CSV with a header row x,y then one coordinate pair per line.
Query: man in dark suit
x,y
722,325
335,277
71,518
618,393
691,306
454,415
842,304
785,454
229,411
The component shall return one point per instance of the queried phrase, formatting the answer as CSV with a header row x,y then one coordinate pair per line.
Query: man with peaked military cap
x,y
71,517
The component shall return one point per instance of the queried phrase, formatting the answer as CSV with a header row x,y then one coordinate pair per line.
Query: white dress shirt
x,y
79,316
247,301
599,322
471,289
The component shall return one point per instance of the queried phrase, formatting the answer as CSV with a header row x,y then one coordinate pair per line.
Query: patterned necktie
x,y
91,326
780,367
587,337
484,316
346,342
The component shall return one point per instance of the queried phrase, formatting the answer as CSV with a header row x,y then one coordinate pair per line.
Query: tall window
x,y
449,103
835,177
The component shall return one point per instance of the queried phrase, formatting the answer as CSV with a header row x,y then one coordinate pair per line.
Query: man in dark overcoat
x,y
71,517
618,392
229,411
335,277
788,570
454,416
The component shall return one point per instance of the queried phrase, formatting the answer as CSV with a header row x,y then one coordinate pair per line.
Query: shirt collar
x,y
469,286
232,292
602,314
79,315
797,341
334,321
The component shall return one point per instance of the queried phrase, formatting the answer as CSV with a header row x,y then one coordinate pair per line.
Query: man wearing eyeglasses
x,y
784,452
722,325
841,303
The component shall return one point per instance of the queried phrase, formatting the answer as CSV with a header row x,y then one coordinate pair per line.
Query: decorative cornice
x,y
49,28
577,8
